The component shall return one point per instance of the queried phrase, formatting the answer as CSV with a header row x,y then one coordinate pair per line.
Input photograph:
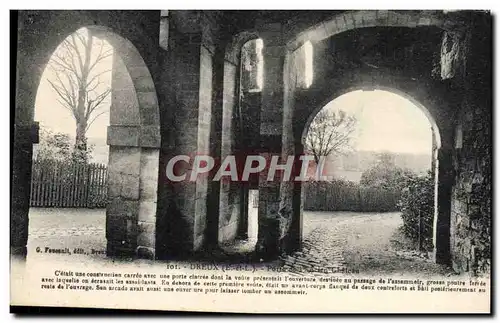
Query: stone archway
x,y
429,97
433,95
233,200
134,140
364,19
134,134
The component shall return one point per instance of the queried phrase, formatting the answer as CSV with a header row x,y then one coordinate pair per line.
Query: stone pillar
x,y
187,128
132,196
30,63
434,152
230,197
442,216
216,128
271,116
296,227
244,212
132,168
25,135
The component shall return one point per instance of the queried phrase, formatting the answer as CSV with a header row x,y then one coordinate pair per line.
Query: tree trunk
x,y
81,113
81,139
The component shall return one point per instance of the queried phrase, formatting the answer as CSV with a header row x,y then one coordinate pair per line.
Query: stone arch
x,y
134,142
134,139
433,100
232,198
233,49
364,19
385,88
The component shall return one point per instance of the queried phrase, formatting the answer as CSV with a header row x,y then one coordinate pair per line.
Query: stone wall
x,y
187,130
229,203
468,62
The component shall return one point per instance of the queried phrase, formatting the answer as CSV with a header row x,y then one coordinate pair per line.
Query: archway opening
x,y
240,136
371,191
88,169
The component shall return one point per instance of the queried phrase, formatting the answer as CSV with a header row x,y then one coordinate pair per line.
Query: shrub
x,y
417,200
341,195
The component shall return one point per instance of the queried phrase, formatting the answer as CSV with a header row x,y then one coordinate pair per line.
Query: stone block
x,y
122,208
148,106
330,27
198,242
114,185
392,18
146,234
341,23
143,82
125,136
119,228
129,186
349,20
124,108
200,214
125,160
357,17
150,136
382,16
148,189
228,232
188,139
120,249
147,211
116,228
146,253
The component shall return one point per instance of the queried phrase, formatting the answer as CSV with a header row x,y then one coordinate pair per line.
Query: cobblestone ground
x,y
322,247
334,242
57,228
358,243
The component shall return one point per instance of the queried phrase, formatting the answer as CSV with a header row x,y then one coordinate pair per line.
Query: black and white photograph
x,y
252,161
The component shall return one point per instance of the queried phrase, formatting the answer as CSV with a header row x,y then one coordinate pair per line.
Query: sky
x,y
50,113
386,122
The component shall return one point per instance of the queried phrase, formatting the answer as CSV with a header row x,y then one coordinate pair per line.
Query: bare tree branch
x,y
95,117
329,132
78,88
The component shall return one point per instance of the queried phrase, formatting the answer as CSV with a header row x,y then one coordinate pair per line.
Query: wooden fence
x,y
66,184
339,196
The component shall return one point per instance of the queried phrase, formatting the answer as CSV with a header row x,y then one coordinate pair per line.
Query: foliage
x,y
385,174
58,147
417,200
329,132
342,195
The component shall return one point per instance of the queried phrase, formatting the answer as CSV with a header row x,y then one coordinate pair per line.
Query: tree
x,y
53,146
57,147
77,81
416,204
385,173
329,132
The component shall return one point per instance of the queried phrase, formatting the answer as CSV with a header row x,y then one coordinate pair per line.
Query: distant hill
x,y
351,166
